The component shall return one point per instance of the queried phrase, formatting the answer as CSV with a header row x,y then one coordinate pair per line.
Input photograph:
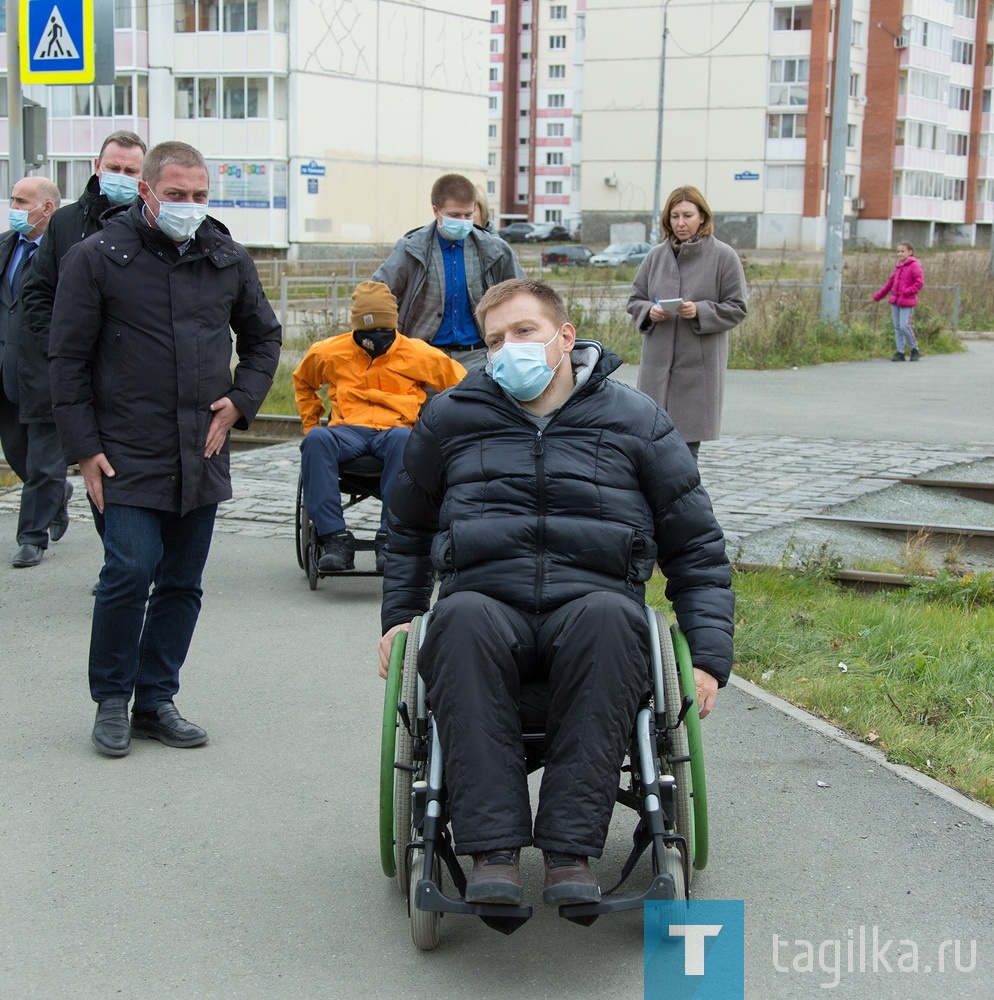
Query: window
x,y
557,72
957,144
493,45
556,101
986,102
795,18
557,41
557,12
492,103
553,187
129,14
554,129
965,8
491,131
953,189
219,15
789,82
930,35
785,177
522,198
854,84
857,34
925,135
127,97
847,185
852,132
919,184
928,85
962,52
959,98
491,187
494,15
491,159
787,127
553,215
241,97
493,74
553,159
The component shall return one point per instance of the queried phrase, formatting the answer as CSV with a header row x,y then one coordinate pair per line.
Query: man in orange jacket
x,y
376,380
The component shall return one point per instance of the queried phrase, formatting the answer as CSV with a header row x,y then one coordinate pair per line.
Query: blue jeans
x,y
147,602
903,334
326,448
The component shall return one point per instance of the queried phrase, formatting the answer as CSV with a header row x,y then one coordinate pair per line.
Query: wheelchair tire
x,y
673,865
699,789
681,770
424,923
299,517
388,745
403,777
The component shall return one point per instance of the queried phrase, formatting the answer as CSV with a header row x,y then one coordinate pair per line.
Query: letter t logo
x,y
693,948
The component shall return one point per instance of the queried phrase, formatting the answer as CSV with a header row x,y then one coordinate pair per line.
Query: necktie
x,y
15,278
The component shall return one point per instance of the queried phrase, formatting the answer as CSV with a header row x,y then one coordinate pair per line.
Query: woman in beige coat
x,y
689,292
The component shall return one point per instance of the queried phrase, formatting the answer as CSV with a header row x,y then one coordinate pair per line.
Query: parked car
x,y
621,253
516,232
548,232
568,254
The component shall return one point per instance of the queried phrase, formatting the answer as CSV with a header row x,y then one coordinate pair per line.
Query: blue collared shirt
x,y
458,325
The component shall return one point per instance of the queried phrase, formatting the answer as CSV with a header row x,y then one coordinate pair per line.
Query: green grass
x,y
919,664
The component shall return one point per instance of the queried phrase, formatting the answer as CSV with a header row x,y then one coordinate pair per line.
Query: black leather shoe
x,y
167,726
111,732
27,555
60,523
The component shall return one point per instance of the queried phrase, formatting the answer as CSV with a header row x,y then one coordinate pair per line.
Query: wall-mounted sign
x,y
747,175
312,169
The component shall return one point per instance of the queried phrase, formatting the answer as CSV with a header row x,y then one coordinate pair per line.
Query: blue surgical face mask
x,y
522,369
455,229
118,189
179,220
18,219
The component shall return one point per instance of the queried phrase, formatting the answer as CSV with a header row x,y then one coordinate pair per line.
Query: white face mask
x,y
179,220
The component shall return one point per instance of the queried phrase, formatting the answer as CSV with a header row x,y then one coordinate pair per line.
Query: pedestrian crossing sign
x,y
57,41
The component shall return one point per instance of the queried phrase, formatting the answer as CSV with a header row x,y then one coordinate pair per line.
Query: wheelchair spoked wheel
x,y
300,534
425,931
388,747
403,777
695,742
679,747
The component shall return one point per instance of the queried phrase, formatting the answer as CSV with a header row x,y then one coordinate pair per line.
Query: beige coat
x,y
683,361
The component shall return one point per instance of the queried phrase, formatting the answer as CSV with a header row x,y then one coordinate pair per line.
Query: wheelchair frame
x,y
359,480
666,786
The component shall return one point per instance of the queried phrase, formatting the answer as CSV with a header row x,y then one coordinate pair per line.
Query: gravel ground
x,y
891,551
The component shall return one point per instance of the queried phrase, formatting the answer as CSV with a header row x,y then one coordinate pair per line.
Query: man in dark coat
x,y
542,493
27,428
144,398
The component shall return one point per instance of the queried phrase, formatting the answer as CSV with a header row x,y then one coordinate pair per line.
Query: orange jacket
x,y
382,392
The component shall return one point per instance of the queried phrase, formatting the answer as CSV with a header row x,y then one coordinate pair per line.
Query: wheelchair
x,y
359,480
662,780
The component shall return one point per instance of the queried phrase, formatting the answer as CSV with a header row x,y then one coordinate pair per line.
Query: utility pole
x,y
831,289
15,113
654,233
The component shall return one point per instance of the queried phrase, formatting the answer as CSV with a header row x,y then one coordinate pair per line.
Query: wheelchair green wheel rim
x,y
388,744
699,789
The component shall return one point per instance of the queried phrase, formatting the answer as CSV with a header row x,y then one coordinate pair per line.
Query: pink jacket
x,y
904,284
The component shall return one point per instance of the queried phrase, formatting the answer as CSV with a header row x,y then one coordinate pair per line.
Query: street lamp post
x,y
654,236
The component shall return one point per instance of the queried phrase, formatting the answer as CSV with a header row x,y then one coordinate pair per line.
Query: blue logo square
x,y
694,950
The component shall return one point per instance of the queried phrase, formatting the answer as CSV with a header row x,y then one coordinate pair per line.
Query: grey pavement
x,y
248,868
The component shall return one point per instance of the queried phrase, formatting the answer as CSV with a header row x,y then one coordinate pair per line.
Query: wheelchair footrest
x,y
500,916
661,887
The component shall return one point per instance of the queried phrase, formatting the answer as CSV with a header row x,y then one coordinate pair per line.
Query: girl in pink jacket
x,y
904,285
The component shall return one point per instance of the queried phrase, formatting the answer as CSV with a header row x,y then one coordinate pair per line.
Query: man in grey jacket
x,y
438,273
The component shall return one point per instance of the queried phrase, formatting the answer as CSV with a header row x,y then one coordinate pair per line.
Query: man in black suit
x,y
27,425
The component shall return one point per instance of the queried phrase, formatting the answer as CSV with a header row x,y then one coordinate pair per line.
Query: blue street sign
x,y
747,175
312,169
312,185
57,41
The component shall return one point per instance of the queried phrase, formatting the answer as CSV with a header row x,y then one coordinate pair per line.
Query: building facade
x,y
321,123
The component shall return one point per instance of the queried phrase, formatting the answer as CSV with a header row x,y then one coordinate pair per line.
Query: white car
x,y
621,253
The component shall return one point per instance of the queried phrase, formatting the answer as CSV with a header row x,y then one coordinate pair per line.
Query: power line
x,y
722,41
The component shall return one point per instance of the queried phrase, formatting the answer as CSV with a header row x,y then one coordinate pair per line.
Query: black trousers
x,y
34,453
593,653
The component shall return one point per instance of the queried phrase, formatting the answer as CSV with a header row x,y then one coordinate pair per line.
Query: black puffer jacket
x,y
141,347
537,518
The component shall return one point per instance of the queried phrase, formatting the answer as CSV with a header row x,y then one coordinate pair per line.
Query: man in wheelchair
x,y
542,492
376,381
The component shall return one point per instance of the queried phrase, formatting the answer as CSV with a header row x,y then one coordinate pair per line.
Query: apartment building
x,y
534,130
321,123
747,105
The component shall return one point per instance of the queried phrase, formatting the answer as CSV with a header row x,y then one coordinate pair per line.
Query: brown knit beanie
x,y
373,307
